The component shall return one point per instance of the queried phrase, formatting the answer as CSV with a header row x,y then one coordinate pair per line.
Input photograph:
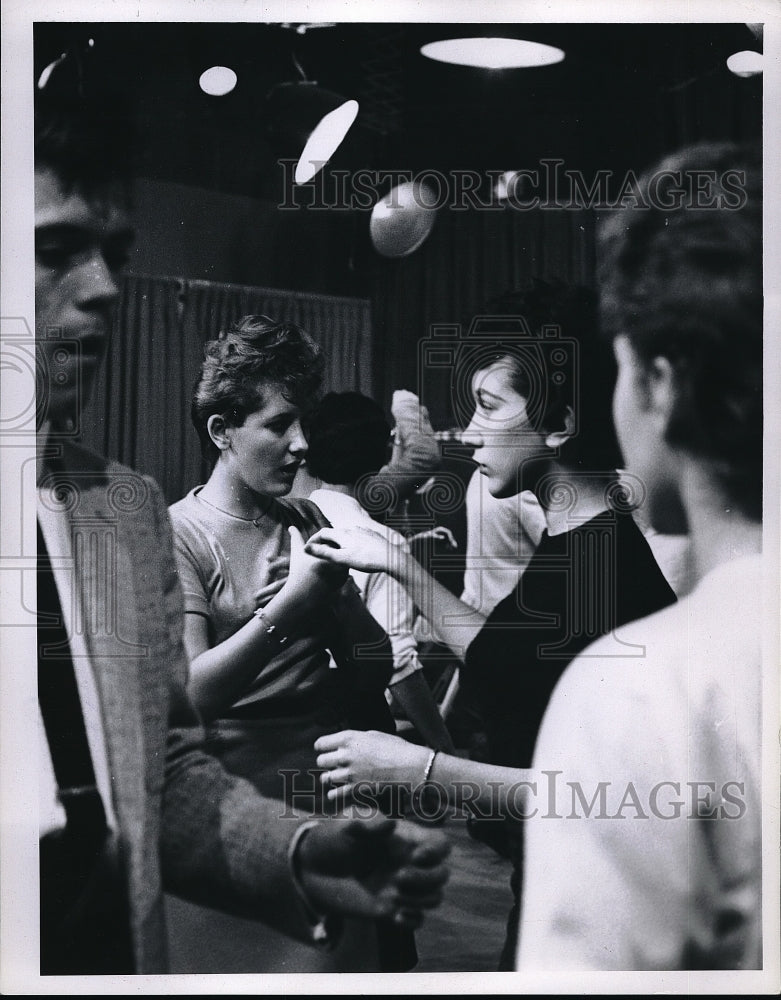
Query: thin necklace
x,y
238,517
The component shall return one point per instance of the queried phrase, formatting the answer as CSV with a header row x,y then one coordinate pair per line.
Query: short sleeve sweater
x,y
223,561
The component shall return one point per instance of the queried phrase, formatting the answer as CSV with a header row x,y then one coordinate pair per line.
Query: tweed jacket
x,y
187,825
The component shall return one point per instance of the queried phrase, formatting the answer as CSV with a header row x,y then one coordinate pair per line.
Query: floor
x,y
465,934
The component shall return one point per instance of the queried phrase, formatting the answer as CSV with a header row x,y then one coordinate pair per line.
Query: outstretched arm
x,y
454,623
226,846
351,758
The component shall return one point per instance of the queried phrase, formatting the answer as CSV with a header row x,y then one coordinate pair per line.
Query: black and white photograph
x,y
391,398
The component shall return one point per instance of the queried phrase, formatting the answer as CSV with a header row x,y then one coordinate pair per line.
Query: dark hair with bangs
x,y
548,336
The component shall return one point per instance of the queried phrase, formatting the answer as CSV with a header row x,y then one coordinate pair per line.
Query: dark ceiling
x,y
624,93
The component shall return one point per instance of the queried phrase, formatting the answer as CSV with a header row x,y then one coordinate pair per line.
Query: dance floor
x,y
466,933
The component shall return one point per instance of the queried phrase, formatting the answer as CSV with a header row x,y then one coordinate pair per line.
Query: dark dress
x,y
578,586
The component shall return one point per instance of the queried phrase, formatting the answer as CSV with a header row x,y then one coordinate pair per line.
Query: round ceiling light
x,y
493,53
745,63
217,81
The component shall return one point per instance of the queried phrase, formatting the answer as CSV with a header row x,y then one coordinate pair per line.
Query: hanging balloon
x,y
401,221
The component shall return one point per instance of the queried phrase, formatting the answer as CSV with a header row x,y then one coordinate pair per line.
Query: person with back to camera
x,y
673,880
263,618
591,573
155,810
348,443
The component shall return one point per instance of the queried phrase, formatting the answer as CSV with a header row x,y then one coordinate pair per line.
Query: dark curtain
x,y
472,256
140,410
469,258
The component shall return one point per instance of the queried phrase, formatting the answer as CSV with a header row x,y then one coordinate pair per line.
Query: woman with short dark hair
x,y
541,421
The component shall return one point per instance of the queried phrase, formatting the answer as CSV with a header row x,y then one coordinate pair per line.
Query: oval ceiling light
x,y
53,67
43,79
217,81
309,123
325,140
493,53
745,63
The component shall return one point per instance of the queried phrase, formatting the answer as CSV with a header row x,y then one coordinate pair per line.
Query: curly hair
x,y
685,283
239,366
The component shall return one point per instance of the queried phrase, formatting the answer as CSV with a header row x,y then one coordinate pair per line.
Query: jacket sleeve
x,y
222,844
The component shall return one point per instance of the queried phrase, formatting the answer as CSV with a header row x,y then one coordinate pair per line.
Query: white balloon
x,y
402,220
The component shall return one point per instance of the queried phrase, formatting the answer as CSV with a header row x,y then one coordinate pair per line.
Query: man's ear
x,y
219,431
557,438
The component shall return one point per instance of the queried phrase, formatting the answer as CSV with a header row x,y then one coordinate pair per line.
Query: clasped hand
x,y
379,868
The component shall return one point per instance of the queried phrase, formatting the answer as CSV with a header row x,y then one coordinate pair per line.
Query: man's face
x,y
81,244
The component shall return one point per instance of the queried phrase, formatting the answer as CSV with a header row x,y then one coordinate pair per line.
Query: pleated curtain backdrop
x,y
140,409
469,259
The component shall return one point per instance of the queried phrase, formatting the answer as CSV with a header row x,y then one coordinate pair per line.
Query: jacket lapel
x,y
102,545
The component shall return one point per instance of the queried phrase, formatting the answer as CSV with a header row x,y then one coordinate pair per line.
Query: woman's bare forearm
x,y
483,789
221,674
453,622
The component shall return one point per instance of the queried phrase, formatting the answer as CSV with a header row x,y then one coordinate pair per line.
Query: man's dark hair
x,y
84,128
686,284
348,438
246,359
572,367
